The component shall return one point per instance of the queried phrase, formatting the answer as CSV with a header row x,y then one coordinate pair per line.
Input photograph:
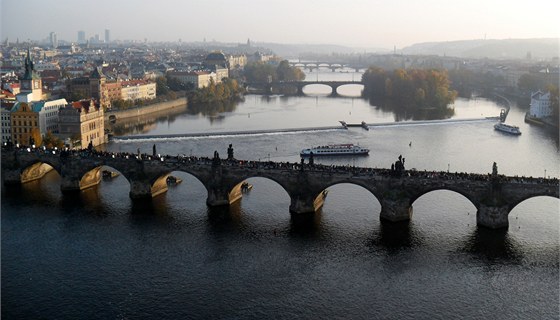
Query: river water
x,y
98,255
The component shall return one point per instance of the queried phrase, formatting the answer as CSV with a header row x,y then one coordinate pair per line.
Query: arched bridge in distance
x,y
299,85
493,195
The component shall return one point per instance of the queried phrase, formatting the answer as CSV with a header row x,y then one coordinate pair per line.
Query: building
x,y
216,58
24,124
31,85
53,39
114,90
237,61
93,86
540,106
82,120
48,114
107,36
138,89
220,71
6,122
81,37
198,79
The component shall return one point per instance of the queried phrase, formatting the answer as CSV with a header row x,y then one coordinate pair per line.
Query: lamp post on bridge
x,y
545,173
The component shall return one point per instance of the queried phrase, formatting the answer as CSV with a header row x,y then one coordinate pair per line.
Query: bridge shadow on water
x,y
490,245
235,219
394,236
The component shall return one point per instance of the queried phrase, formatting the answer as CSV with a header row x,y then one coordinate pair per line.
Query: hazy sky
x,y
359,23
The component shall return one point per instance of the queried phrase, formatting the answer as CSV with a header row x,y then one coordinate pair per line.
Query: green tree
x,y
285,72
259,72
161,86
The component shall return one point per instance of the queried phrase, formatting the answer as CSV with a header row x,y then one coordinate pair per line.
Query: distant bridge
x,y
493,195
328,65
299,85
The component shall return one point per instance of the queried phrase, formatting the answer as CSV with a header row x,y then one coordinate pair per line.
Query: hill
x,y
545,48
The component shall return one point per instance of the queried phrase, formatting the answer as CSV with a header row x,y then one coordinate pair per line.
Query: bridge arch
x,y
535,222
353,185
262,187
186,189
469,197
35,170
113,181
340,90
158,183
233,184
323,89
519,201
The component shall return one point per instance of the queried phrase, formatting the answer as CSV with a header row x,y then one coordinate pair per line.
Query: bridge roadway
x,y
493,195
299,85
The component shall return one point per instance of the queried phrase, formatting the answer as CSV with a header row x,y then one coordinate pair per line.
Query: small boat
x,y
335,150
500,126
246,187
172,181
107,174
365,125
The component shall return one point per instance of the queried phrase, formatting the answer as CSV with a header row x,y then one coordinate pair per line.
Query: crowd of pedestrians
x,y
396,171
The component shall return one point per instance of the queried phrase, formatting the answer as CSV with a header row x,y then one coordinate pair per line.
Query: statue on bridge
x,y
494,170
216,160
230,153
397,168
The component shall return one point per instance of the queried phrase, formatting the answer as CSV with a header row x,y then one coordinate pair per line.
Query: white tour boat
x,y
335,150
500,126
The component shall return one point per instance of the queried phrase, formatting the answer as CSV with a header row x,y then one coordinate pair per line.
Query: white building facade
x,y
540,106
48,114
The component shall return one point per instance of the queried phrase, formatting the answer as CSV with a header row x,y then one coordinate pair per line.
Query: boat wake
x,y
220,135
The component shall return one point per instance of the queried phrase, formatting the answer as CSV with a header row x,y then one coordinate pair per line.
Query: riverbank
x,y
145,110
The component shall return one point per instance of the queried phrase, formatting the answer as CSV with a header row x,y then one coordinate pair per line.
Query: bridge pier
x,y
494,217
302,204
69,184
140,189
395,210
11,177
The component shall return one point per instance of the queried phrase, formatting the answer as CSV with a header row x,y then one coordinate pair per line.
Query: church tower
x,y
98,89
31,84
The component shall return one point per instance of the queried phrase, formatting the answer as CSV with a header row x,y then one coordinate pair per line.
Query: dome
x,y
216,56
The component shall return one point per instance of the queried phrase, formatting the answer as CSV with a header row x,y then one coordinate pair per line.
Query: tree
x,y
284,72
161,86
409,89
36,135
259,72
51,141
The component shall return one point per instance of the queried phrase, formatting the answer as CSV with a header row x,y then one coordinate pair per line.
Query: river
x,y
98,255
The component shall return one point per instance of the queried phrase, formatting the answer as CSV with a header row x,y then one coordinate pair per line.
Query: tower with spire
x,y
31,84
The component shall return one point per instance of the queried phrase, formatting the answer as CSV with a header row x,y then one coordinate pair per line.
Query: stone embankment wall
x,y
145,110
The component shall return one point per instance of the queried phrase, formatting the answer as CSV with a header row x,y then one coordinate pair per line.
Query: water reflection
x,y
306,226
394,236
403,113
211,109
491,245
144,123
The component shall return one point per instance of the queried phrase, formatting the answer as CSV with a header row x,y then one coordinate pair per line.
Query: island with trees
x,y
411,93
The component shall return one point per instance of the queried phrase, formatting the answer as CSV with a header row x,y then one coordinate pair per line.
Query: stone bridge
x,y
329,65
493,195
299,85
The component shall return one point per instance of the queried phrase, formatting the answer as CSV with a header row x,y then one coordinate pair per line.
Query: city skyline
x,y
357,23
